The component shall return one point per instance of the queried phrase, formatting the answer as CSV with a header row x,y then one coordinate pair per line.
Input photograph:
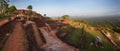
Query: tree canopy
x,y
65,17
29,7
12,8
3,7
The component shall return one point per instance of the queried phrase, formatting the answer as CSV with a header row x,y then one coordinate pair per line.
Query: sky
x,y
71,7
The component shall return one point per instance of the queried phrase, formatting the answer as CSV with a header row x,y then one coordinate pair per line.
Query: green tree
x,y
29,7
12,9
65,17
3,7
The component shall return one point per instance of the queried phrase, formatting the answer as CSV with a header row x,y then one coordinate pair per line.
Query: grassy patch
x,y
115,38
74,37
91,34
66,29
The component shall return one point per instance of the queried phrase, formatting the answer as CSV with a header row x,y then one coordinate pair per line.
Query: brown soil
x,y
39,22
5,21
37,35
32,44
16,40
5,31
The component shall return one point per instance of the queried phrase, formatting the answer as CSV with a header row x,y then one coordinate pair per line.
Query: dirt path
x,y
16,40
5,32
83,36
54,43
5,21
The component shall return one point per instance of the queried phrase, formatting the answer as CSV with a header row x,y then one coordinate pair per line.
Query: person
x,y
98,42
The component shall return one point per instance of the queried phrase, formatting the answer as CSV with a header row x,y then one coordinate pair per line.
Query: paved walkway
x,y
16,41
54,43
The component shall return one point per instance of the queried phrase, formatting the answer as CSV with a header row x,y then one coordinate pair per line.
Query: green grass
x,y
114,37
74,37
66,29
76,24
91,34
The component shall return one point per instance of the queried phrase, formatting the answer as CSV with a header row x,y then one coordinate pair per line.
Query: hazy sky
x,y
71,7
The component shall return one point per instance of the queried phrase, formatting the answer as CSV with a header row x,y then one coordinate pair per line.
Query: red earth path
x,y
5,21
16,41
